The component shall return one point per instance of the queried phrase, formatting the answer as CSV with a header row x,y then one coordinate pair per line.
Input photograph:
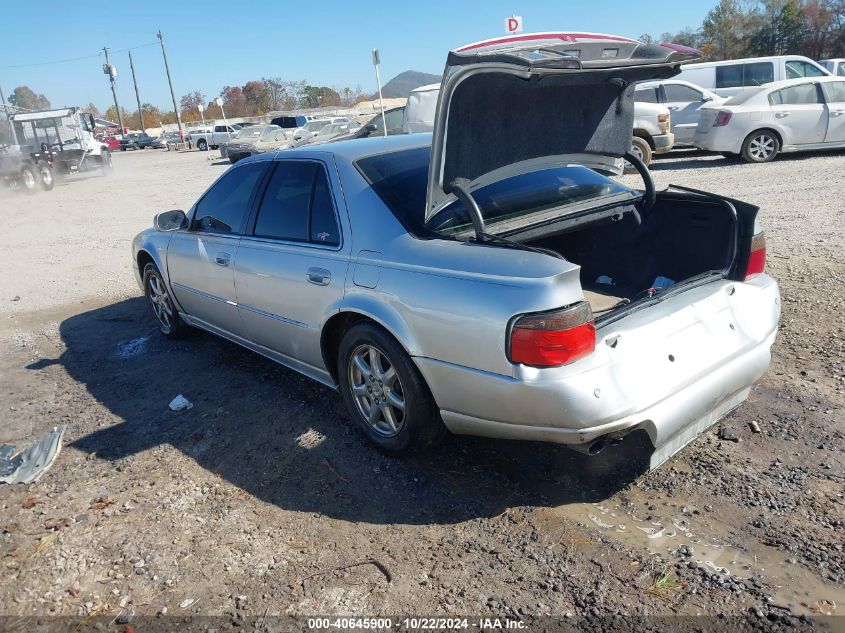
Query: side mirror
x,y
706,98
170,220
372,127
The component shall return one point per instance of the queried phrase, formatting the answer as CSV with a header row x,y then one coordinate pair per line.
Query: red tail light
x,y
554,338
757,257
722,118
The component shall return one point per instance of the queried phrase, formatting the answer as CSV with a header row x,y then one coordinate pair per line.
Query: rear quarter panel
x,y
443,299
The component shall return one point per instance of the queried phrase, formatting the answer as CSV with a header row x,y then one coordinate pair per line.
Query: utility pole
x,y
111,71
170,83
8,118
137,96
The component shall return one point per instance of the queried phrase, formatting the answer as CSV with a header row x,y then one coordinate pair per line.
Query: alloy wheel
x,y
762,147
160,302
377,390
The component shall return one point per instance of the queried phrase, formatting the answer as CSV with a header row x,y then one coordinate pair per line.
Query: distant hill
x,y
402,84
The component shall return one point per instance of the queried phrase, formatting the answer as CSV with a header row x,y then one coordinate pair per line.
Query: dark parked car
x,y
140,140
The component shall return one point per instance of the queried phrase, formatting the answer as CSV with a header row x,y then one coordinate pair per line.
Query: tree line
x,y
758,28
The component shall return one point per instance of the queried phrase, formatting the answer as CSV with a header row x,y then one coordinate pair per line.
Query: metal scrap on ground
x,y
27,466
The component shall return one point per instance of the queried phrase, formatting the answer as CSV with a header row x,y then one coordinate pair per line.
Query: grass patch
x,y
665,585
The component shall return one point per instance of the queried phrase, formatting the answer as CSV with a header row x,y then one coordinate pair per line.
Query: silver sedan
x,y
463,282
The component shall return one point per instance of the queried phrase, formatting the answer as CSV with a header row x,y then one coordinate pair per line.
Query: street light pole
x,y
170,83
111,72
137,96
376,63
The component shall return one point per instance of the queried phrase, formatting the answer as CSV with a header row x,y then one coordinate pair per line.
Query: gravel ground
x,y
263,501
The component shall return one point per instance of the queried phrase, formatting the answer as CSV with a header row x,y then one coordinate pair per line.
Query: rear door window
x,y
646,95
758,73
298,205
224,207
678,93
834,91
729,76
283,214
802,94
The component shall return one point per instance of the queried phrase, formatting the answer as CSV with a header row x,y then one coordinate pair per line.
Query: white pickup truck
x,y
211,138
651,133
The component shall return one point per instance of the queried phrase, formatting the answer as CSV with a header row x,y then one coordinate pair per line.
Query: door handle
x,y
837,113
780,115
318,276
222,259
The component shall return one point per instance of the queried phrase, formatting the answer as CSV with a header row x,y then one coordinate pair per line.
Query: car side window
x,y
841,71
802,94
223,207
283,213
834,92
298,205
395,119
758,73
646,95
324,228
681,93
797,68
729,76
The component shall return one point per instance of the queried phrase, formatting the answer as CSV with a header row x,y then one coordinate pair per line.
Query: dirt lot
x,y
263,500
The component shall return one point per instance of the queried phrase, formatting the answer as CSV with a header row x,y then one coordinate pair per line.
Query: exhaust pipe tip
x,y
596,447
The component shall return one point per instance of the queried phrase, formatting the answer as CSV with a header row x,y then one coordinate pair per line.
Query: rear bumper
x,y
628,389
718,139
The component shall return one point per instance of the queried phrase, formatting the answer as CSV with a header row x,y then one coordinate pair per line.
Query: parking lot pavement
x,y
258,499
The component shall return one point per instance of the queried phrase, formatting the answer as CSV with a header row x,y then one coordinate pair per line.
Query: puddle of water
x,y
668,526
134,347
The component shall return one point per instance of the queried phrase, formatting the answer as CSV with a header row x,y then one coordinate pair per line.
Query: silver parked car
x,y
486,281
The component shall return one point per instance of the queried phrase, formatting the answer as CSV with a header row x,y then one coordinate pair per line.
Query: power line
x,y
76,59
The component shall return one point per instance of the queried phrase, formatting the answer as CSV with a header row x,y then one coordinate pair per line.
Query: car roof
x,y
774,85
352,149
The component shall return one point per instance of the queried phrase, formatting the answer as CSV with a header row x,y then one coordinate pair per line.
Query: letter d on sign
x,y
513,24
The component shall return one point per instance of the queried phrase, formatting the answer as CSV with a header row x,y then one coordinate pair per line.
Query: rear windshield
x,y
400,178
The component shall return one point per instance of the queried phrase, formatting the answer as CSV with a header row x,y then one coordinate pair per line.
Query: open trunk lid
x,y
510,104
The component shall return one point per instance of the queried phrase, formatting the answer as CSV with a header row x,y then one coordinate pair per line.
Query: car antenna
x,y
460,188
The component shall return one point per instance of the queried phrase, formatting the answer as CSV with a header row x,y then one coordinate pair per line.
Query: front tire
x,y
385,393
46,179
170,324
106,163
760,146
642,150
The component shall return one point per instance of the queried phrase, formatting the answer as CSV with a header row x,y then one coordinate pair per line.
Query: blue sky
x,y
215,43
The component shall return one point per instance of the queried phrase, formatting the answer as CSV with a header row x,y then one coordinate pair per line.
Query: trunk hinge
x,y
460,189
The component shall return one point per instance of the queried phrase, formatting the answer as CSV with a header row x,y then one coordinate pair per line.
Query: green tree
x,y
25,97
256,96
723,27
320,97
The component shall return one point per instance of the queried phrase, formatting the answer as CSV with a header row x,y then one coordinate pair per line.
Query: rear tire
x,y
202,145
760,146
377,375
29,178
642,150
170,324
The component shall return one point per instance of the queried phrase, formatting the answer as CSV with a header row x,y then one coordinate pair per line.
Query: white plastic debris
x,y
187,602
180,403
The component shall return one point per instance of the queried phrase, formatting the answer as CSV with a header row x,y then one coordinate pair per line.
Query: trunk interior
x,y
621,259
